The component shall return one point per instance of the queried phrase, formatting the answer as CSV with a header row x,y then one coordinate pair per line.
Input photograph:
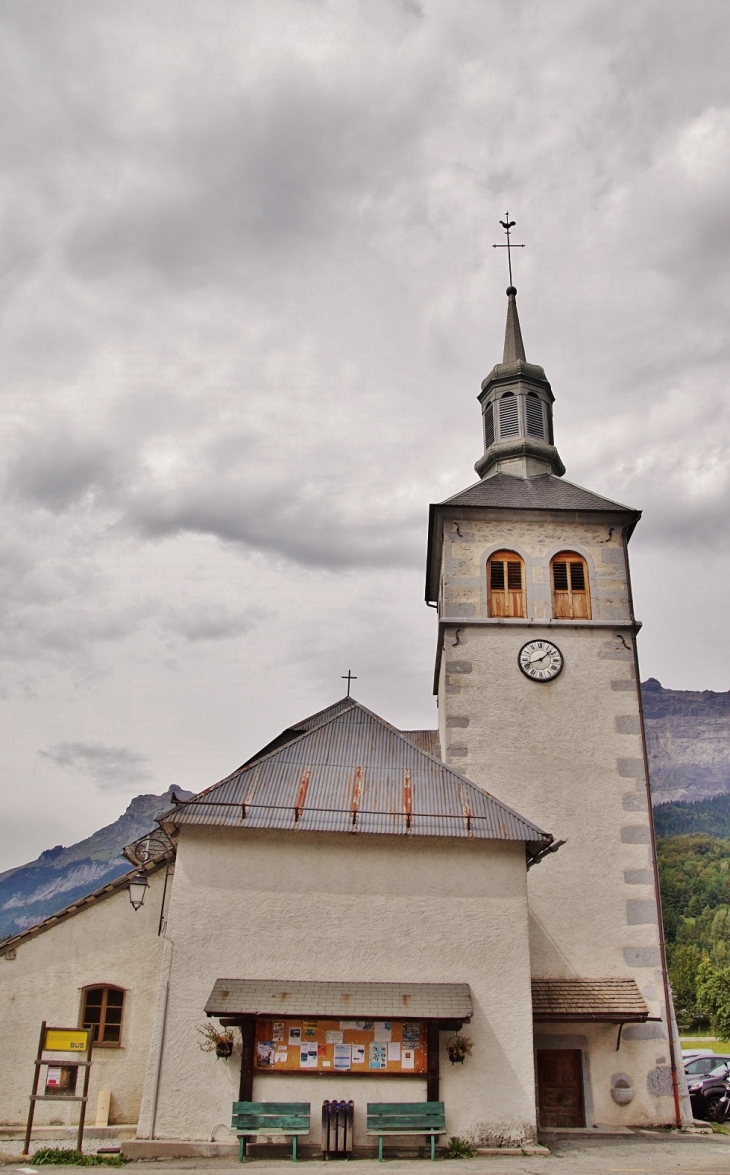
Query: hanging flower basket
x,y
216,1040
459,1047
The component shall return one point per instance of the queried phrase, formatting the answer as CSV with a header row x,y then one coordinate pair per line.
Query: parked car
x,y
700,1064
705,1091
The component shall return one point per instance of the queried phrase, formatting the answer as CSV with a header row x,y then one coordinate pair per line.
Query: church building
x,y
367,914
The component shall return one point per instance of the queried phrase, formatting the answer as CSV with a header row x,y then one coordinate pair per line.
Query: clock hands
x,y
540,655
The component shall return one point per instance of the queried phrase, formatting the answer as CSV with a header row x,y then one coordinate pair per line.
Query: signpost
x,y
77,1041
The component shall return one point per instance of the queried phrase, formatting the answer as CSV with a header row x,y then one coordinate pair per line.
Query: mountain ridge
x,y
60,876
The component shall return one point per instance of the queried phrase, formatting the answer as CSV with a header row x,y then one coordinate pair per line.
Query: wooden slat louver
x,y
505,585
571,597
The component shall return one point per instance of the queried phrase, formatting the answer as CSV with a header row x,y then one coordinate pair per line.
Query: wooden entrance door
x,y
560,1087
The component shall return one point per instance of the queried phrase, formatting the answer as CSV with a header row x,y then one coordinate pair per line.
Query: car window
x,y
719,1070
700,1065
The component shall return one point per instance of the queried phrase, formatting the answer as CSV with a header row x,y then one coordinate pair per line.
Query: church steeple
x,y
516,401
514,348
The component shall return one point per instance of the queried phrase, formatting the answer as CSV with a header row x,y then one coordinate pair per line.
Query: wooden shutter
x,y
571,595
506,584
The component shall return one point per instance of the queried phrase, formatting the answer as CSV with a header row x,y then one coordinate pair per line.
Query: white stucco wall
x,y
568,755
108,942
335,907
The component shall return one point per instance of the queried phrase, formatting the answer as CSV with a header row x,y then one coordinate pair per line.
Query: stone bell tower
x,y
539,703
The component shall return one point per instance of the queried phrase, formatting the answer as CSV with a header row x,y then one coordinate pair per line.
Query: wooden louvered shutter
x,y
506,585
571,597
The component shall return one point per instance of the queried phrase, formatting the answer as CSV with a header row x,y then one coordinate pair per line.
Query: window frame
x,y
506,556
563,605
105,988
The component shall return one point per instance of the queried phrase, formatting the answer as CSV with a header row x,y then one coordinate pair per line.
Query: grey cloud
x,y
110,768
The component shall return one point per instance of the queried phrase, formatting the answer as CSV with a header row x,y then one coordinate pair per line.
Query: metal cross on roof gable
x,y
508,225
349,679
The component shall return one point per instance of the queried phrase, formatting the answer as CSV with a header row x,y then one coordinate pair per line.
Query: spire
x,y
516,401
514,348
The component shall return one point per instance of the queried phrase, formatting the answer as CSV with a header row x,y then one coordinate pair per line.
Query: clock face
x,y
540,660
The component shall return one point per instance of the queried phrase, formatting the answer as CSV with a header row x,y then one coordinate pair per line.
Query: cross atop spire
x,y
508,225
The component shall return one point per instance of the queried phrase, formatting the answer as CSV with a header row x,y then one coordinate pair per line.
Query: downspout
x,y
148,1109
668,1004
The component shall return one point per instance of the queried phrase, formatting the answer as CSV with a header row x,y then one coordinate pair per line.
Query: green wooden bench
x,y
250,1118
406,1118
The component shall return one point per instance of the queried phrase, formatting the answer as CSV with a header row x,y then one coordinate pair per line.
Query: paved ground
x,y
624,1155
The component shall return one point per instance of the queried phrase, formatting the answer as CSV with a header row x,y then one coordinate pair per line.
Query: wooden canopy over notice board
x,y
372,1047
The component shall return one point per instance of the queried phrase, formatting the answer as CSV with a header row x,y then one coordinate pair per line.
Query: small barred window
x,y
506,584
571,598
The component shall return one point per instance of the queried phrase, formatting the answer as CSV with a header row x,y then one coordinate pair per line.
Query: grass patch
x,y
719,1128
459,1148
56,1156
703,1042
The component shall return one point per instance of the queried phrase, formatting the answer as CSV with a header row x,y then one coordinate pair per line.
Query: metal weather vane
x,y
508,225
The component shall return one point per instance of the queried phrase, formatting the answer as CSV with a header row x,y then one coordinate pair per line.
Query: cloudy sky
x,y
247,297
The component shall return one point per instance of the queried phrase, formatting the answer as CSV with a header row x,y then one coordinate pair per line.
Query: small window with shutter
x,y
533,413
509,420
506,584
488,426
571,597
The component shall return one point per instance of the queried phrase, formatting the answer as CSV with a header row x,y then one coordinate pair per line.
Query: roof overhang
x,y
609,1001
245,998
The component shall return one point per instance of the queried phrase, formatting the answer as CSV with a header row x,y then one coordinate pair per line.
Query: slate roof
x,y
616,1000
353,772
348,1000
545,492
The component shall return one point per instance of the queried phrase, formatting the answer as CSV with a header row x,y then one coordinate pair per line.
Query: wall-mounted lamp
x,y
137,889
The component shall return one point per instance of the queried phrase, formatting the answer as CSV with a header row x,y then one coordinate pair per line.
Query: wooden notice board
x,y
374,1047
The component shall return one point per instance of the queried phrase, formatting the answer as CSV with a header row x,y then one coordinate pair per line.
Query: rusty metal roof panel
x,y
425,740
286,997
355,773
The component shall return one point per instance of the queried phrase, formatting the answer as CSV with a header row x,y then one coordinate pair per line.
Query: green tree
x,y
684,964
713,996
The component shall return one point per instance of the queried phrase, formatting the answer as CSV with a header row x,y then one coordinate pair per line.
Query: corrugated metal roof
x,y
545,492
355,773
614,1000
425,740
285,997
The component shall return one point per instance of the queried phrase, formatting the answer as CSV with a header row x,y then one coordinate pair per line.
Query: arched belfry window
x,y
505,584
571,594
509,417
533,413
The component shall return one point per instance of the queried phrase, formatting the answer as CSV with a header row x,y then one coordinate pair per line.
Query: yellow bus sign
x,y
66,1040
